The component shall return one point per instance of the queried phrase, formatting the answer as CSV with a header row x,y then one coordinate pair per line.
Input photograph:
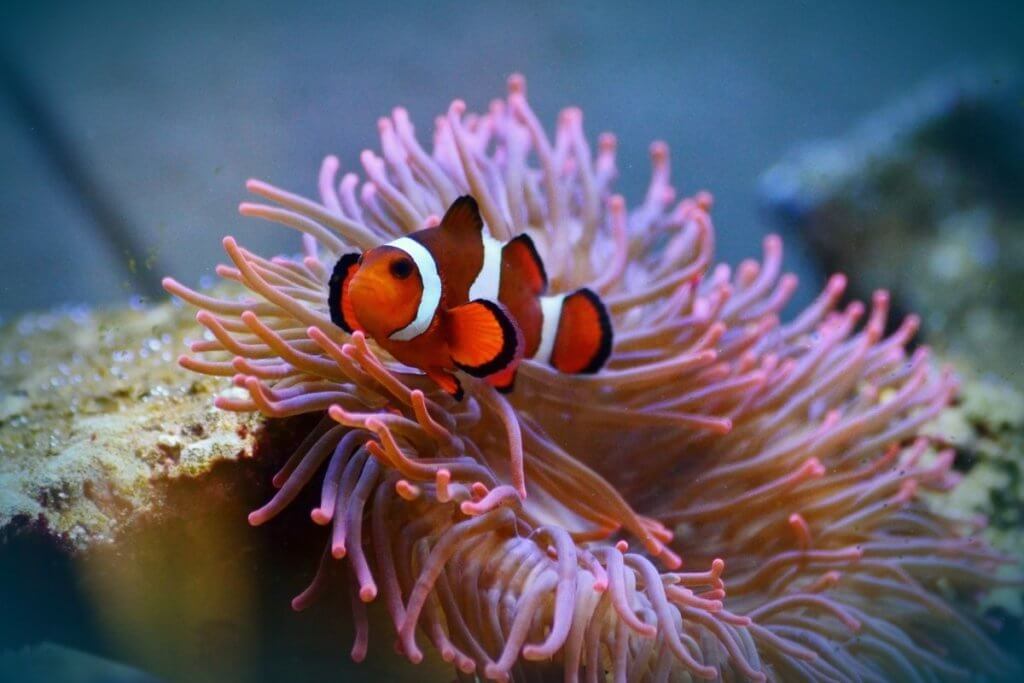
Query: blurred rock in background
x,y
926,199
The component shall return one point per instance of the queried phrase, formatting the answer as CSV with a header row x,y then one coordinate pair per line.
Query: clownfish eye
x,y
401,268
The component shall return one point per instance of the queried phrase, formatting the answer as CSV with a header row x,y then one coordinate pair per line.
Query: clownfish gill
x,y
454,298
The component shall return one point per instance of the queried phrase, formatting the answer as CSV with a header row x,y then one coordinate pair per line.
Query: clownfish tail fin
x,y
483,338
583,336
338,302
462,220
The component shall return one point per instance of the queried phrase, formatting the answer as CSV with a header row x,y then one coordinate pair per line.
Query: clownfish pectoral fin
x,y
448,382
521,256
462,220
505,380
338,302
482,338
584,339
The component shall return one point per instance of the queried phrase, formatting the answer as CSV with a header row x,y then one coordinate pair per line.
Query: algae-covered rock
x,y
986,426
95,412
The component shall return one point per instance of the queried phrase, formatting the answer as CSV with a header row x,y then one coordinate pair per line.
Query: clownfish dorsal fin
x,y
483,338
521,256
338,302
462,220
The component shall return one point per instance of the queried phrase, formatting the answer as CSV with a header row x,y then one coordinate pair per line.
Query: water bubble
x,y
123,356
79,315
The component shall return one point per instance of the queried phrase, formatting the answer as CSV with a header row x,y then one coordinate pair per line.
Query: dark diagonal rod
x,y
113,227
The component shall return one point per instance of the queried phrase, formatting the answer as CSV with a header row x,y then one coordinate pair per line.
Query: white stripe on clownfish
x,y
488,281
551,310
430,297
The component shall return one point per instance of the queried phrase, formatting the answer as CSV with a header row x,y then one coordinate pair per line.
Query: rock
x,y
95,414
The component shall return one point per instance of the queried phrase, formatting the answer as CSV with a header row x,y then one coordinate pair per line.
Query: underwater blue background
x,y
128,129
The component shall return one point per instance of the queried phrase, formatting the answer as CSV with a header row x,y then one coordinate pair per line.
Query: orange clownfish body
x,y
453,298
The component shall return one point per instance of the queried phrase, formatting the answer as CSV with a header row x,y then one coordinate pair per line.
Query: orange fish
x,y
454,298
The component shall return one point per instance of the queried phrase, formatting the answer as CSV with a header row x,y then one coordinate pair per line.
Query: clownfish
x,y
453,298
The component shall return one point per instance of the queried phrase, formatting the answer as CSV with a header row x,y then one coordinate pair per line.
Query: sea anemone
x,y
543,533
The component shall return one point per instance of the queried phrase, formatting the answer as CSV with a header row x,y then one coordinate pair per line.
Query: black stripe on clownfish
x,y
454,298
342,315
